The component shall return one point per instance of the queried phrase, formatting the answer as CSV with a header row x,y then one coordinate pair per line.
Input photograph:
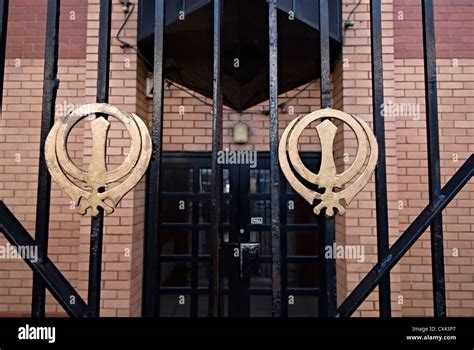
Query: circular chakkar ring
x,y
288,148
135,164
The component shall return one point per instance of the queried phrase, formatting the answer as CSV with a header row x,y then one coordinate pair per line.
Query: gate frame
x,y
47,275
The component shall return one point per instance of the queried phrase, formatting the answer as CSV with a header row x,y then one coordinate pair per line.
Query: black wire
x,y
353,10
117,36
345,27
142,56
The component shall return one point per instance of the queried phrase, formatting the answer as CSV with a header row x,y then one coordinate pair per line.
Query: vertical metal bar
x,y
97,223
50,86
381,170
195,242
215,297
3,45
284,246
434,176
104,51
151,281
274,167
325,80
329,295
95,264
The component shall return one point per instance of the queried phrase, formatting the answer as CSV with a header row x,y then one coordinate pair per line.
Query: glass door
x,y
185,240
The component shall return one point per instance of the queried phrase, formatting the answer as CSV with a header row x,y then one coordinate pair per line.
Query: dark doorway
x,y
185,240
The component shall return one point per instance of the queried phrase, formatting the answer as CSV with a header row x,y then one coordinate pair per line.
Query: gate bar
x,y
329,297
97,224
274,165
408,238
381,169
325,81
43,198
151,281
434,176
3,45
216,301
50,276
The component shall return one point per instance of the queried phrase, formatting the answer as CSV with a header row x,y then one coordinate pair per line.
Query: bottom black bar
x,y
367,333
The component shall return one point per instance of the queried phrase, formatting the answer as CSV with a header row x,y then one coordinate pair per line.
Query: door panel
x,y
185,240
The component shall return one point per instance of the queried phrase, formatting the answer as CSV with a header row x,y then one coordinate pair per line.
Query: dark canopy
x,y
188,45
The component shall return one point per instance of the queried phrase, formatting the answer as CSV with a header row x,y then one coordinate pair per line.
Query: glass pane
x,y
175,274
205,180
203,275
265,278
226,180
303,275
205,211
300,212
259,212
226,305
289,189
265,240
175,305
192,4
302,243
307,11
203,305
204,242
226,214
176,242
178,210
260,306
287,5
259,181
303,306
177,180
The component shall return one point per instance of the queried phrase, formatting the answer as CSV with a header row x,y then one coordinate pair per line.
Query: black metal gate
x,y
46,275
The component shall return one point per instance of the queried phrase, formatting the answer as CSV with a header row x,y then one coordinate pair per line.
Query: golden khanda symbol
x,y
334,195
96,190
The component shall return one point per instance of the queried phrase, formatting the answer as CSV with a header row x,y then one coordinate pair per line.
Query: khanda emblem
x,y
95,188
334,194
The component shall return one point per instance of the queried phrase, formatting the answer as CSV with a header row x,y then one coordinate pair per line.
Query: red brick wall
x,y
456,120
455,74
454,28
19,135
19,138
27,26
191,129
